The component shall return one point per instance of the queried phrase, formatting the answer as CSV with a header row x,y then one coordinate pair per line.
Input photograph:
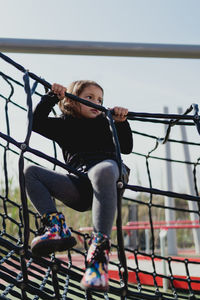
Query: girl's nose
x,y
96,101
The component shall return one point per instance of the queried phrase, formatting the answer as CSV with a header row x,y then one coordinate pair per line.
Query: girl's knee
x,y
106,171
110,171
30,171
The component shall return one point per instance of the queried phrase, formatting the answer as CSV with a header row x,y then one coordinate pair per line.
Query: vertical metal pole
x,y
169,213
192,205
163,235
133,216
147,241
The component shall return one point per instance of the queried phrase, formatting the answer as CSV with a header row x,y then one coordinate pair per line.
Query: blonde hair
x,y
71,107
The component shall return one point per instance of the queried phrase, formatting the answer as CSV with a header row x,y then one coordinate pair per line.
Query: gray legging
x,y
43,184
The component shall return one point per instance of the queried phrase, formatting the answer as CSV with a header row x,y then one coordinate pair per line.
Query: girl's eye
x,y
89,97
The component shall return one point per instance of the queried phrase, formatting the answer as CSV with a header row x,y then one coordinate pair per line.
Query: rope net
x,y
136,271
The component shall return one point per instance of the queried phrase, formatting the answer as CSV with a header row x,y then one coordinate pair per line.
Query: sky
x,y
140,84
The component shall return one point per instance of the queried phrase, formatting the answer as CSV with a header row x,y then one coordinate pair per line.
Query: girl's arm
x,y
42,123
123,129
125,136
51,128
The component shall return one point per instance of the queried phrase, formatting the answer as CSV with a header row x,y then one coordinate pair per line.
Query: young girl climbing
x,y
85,138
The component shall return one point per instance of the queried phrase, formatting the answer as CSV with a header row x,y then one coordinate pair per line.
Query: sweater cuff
x,y
50,97
121,124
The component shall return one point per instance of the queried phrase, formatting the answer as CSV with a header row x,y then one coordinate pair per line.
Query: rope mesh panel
x,y
26,277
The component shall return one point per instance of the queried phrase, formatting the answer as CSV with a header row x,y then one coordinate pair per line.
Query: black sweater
x,y
84,142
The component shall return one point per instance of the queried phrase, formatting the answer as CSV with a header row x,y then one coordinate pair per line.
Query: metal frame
x,y
13,45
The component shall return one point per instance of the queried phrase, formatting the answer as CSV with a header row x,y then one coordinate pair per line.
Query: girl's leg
x,y
103,177
43,184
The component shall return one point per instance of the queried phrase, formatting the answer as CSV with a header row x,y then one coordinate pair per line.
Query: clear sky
x,y
141,84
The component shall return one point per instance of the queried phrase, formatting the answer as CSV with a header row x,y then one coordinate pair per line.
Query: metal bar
x,y
99,48
163,235
170,213
193,205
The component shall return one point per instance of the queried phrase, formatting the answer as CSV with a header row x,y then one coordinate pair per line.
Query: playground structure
x,y
66,275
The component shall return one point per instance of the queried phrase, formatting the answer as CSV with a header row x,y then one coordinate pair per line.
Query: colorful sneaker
x,y
54,236
96,274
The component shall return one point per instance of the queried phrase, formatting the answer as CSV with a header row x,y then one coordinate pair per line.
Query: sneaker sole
x,y
46,247
95,288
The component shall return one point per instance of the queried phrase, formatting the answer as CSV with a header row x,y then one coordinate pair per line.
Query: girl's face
x,y
93,94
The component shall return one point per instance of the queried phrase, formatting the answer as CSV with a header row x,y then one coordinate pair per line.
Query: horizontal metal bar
x,y
98,48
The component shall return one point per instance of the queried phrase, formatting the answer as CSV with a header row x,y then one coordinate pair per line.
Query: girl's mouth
x,y
94,111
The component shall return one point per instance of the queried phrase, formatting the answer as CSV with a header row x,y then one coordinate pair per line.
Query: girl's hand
x,y
59,90
120,114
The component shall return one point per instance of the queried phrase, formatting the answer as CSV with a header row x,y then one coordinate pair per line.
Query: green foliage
x,y
13,223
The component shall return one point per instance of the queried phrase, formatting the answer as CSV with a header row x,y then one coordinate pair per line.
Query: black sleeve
x,y
42,123
125,136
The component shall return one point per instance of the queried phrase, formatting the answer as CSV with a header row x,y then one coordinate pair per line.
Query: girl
x,y
86,141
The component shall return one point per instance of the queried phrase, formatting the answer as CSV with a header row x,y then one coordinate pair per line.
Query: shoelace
x,y
41,230
99,254
45,223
